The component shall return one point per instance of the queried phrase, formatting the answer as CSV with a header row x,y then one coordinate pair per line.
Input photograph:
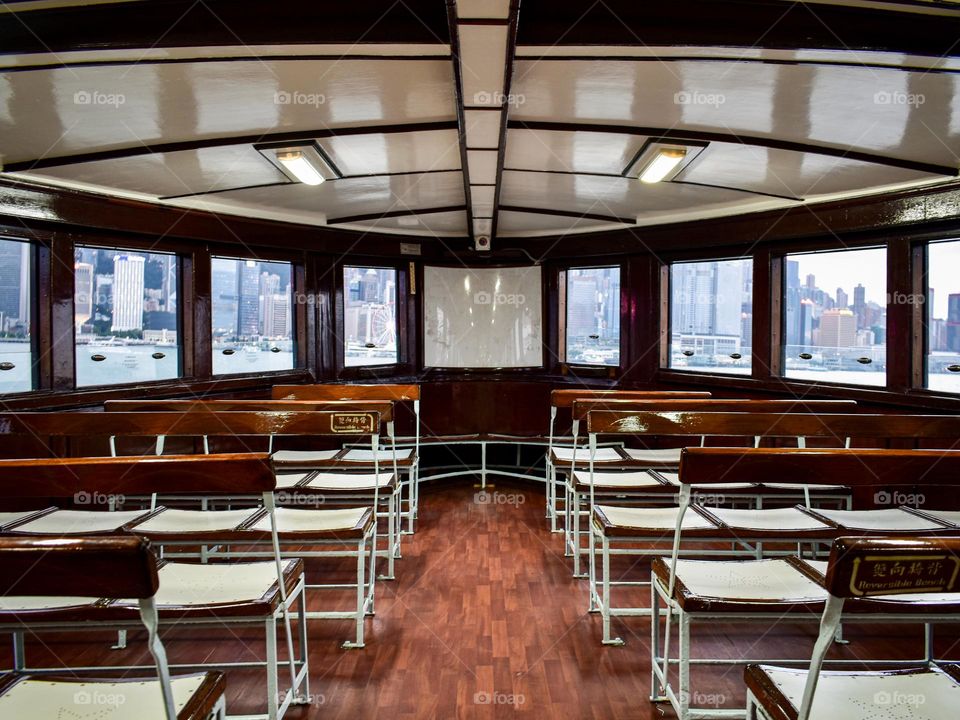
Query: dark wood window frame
x,y
555,288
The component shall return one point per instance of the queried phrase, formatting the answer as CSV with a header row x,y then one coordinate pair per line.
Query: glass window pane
x,y
16,304
126,317
943,316
370,316
711,316
835,316
252,316
593,316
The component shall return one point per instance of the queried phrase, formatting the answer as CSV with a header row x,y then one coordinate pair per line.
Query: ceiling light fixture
x,y
299,165
663,163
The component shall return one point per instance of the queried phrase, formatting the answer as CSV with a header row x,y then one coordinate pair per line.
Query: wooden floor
x,y
484,621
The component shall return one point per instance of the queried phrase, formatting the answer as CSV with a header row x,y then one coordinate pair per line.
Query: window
x,y
835,316
711,316
126,317
252,316
16,316
592,317
943,316
370,316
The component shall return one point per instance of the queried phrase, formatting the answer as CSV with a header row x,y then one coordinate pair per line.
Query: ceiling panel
x,y
561,151
346,197
380,153
521,223
483,128
174,173
483,9
625,197
483,49
796,174
445,224
57,112
907,115
483,166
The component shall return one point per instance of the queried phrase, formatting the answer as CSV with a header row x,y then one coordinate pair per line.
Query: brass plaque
x,y
352,423
898,574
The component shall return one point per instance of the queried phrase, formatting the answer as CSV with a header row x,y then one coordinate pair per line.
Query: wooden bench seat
x,y
67,574
858,576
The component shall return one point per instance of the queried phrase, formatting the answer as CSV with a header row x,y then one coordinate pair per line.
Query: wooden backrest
x,y
385,408
117,567
347,391
565,398
237,473
347,422
582,407
864,566
835,425
837,466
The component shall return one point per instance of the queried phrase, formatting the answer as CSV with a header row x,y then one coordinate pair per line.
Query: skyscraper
x,y
248,299
83,293
127,292
706,298
838,328
582,306
953,322
14,265
860,305
842,299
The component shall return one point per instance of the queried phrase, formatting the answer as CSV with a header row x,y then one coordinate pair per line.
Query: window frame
x,y
182,332
562,285
404,304
296,314
919,320
666,314
37,324
781,319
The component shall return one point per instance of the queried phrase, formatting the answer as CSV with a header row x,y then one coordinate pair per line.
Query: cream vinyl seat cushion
x,y
773,580
13,603
183,584
9,518
617,479
349,481
361,455
891,519
39,699
661,456
73,522
286,456
787,519
921,695
660,519
288,480
951,517
565,454
304,520
199,521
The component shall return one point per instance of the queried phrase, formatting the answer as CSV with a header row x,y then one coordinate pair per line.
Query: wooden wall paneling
x,y
919,314
202,346
63,356
640,319
302,336
899,315
765,328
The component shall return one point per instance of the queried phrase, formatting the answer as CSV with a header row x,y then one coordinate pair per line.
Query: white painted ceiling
x,y
181,127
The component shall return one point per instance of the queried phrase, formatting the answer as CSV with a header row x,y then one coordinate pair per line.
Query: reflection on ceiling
x,y
471,134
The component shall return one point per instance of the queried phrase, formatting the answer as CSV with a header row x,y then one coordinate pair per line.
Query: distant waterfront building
x,y
953,322
582,307
83,293
14,282
127,292
248,299
860,305
838,328
842,299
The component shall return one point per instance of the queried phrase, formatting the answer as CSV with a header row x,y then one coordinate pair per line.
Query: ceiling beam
x,y
394,213
570,214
